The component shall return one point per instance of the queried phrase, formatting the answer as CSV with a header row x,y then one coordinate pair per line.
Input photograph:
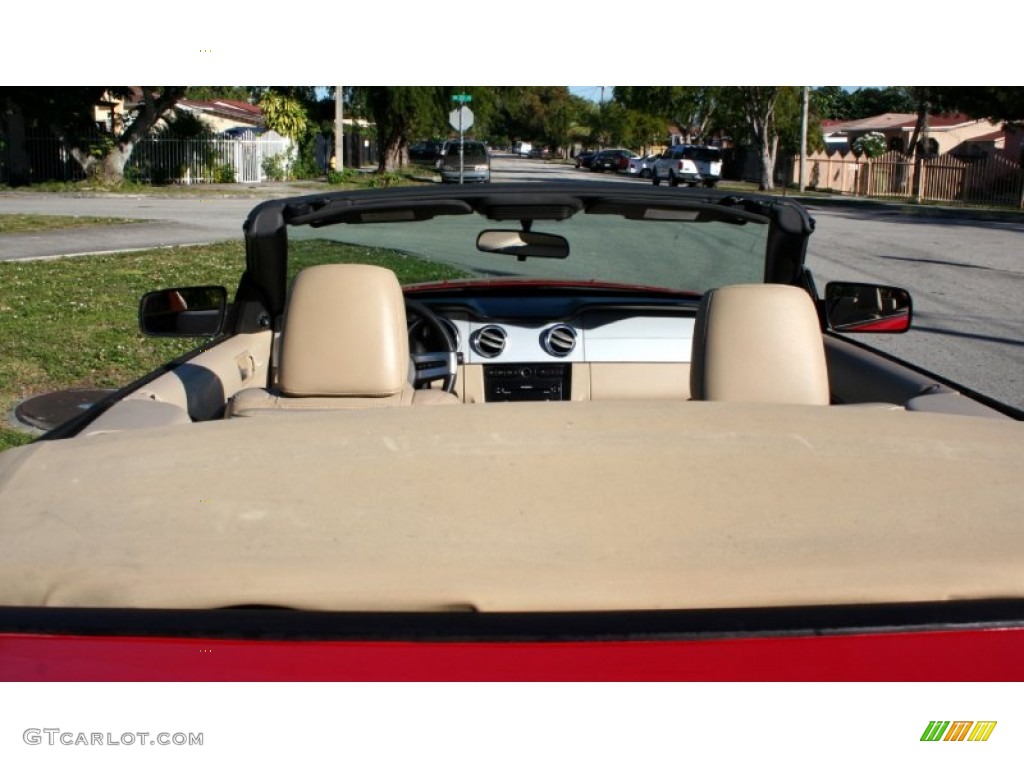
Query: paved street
x,y
162,221
966,275
966,278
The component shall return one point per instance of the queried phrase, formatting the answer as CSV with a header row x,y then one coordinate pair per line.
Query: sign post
x,y
461,119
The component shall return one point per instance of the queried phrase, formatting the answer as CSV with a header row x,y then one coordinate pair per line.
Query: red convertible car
x,y
527,432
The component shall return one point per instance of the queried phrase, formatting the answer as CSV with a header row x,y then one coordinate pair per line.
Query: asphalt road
x,y
966,276
163,221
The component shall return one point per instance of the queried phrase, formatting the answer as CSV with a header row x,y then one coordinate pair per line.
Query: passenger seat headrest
x,y
761,344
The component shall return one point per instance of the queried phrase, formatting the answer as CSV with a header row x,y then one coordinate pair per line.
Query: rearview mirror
x,y
198,311
867,308
522,244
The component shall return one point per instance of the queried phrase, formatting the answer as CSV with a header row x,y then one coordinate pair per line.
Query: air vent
x,y
559,340
489,341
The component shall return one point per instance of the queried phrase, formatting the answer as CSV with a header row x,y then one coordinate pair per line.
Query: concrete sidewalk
x,y
924,210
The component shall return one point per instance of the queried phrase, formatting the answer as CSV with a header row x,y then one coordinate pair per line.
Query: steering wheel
x,y
436,365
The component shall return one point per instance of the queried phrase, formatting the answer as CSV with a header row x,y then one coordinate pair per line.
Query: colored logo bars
x,y
958,730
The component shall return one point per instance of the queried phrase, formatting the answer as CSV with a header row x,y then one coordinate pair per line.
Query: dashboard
x,y
515,348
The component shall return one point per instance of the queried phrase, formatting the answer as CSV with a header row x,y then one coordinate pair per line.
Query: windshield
x,y
680,255
704,154
470,149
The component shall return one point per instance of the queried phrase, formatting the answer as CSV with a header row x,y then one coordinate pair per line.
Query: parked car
x,y
584,159
602,432
425,152
688,164
466,161
641,166
612,160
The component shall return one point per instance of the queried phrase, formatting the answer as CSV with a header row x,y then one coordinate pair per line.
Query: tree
x,y
758,107
105,159
69,113
831,102
399,114
867,102
539,114
214,92
284,114
996,103
631,128
693,108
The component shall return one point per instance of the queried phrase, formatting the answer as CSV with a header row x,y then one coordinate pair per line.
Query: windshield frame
x,y
266,229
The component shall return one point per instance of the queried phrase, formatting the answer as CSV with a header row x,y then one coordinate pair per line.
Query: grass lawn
x,y
17,223
72,323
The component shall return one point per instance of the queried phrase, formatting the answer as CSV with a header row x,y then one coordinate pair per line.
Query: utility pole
x,y
339,144
803,140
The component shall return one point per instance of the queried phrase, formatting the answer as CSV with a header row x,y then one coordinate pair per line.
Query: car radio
x,y
527,382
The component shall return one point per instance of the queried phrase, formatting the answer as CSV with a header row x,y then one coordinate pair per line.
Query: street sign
x,y
460,119
462,98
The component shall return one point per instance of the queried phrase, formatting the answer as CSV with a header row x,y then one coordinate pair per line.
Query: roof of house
x,y
904,121
994,136
234,109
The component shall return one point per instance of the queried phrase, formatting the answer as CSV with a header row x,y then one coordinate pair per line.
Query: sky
x,y
592,92
319,44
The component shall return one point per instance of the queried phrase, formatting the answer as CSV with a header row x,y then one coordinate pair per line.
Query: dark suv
x,y
425,152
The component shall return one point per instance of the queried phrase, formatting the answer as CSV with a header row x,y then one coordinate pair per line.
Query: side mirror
x,y
198,311
867,308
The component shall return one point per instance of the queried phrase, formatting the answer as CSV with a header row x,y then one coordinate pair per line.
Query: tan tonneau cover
x,y
525,506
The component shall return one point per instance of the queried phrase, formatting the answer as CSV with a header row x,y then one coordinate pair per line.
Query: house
x,y
1013,142
945,133
982,146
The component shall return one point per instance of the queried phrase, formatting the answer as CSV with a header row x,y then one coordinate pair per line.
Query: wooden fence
x,y
991,180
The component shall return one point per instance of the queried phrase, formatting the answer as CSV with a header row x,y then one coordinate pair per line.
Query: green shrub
x,y
345,176
870,144
224,174
275,168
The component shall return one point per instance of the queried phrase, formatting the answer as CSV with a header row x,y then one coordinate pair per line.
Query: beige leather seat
x,y
344,344
759,344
